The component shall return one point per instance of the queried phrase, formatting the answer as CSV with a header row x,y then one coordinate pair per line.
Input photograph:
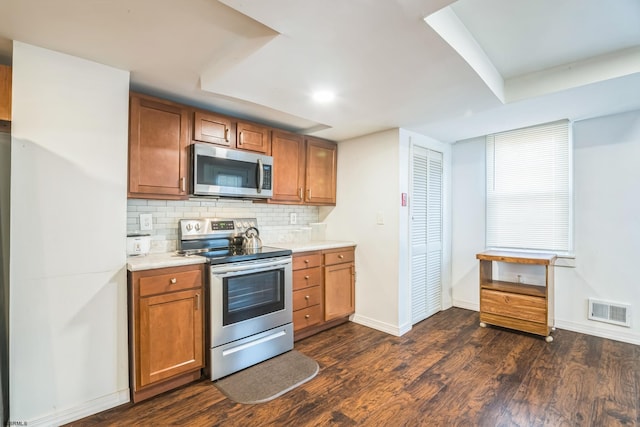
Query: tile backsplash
x,y
273,220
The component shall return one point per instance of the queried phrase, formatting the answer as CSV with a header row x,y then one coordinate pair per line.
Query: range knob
x,y
197,226
188,227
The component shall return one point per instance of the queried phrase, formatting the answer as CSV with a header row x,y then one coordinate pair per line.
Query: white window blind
x,y
529,189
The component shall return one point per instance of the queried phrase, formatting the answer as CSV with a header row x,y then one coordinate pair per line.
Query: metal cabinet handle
x,y
173,280
226,134
197,302
340,256
240,138
300,193
306,316
306,297
306,261
183,184
308,194
306,277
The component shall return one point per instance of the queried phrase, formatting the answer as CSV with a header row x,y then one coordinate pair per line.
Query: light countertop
x,y
171,259
317,245
161,260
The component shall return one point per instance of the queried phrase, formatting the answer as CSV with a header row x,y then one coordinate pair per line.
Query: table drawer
x,y
307,278
311,259
307,297
525,307
171,281
307,317
338,257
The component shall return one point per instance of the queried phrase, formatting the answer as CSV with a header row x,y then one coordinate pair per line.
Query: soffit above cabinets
x,y
539,60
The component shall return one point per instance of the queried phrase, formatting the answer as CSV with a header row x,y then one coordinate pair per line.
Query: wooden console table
x,y
519,306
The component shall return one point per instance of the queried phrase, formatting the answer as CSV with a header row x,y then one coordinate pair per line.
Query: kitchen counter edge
x,y
171,259
318,245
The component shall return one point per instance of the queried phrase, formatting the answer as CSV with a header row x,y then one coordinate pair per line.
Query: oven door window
x,y
227,173
252,295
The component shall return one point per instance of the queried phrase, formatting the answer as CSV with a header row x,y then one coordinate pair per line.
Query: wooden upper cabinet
x,y
321,170
213,128
158,148
288,154
253,137
5,92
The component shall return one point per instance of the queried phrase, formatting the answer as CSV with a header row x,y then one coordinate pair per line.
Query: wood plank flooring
x,y
446,371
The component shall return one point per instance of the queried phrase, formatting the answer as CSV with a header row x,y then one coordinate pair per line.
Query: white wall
x,y
368,185
373,171
606,225
5,179
468,220
68,331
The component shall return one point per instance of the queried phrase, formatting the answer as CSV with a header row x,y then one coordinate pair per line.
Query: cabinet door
x,y
321,158
252,137
158,140
288,167
5,92
339,290
171,340
212,128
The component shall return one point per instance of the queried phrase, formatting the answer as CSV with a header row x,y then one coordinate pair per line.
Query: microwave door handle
x,y
260,175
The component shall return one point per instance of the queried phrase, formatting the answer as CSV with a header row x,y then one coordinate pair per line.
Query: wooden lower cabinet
x,y
323,290
166,319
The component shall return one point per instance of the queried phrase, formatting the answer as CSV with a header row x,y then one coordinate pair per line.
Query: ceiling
x,y
472,67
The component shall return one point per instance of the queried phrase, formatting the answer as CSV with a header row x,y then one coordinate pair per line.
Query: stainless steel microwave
x,y
221,172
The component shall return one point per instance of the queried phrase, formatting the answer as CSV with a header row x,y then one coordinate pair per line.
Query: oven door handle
x,y
241,268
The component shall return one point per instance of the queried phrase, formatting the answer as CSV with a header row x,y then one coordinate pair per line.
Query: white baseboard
x,y
623,336
473,306
80,411
381,326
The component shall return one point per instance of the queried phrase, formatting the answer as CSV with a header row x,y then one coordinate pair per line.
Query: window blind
x,y
529,189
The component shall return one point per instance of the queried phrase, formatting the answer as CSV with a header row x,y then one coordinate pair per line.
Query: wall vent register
x,y
608,312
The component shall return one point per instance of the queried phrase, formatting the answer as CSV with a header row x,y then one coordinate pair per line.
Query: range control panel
x,y
203,228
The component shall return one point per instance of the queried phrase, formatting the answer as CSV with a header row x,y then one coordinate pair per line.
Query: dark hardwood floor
x,y
446,371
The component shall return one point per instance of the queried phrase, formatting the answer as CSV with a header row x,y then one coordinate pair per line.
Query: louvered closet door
x,y
426,233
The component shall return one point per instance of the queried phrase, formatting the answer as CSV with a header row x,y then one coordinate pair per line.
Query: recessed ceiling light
x,y
323,96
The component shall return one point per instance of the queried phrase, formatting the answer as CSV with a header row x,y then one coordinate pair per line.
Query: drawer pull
x,y
173,280
340,256
306,277
306,297
306,261
306,316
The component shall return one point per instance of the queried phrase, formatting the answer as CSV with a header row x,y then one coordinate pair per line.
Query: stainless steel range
x,y
249,293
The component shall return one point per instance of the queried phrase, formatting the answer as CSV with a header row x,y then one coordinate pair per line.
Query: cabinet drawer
x,y
172,281
306,297
307,260
307,317
525,307
307,278
338,257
